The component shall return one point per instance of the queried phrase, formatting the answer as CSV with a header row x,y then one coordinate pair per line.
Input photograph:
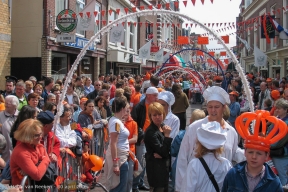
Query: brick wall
x,y
5,42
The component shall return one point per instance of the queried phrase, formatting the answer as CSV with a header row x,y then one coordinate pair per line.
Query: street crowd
x,y
143,118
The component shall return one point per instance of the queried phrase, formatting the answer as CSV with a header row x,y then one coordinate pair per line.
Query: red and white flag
x,y
86,18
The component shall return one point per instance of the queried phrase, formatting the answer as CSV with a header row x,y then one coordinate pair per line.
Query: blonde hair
x,y
196,115
119,92
201,151
226,113
27,129
157,108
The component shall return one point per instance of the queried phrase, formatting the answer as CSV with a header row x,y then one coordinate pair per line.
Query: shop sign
x,y
66,38
80,43
66,20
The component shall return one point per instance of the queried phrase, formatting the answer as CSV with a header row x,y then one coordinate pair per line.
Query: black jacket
x,y
92,95
157,169
139,115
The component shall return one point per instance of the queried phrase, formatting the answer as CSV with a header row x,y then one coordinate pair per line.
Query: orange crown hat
x,y
275,94
260,140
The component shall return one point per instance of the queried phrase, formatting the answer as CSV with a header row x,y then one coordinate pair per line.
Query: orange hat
x,y
250,76
268,80
217,78
147,76
234,93
83,100
89,132
275,94
260,140
131,81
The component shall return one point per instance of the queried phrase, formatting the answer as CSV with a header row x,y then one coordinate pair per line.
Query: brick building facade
x,y
5,41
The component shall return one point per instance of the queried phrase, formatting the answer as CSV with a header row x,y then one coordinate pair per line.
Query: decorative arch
x,y
107,28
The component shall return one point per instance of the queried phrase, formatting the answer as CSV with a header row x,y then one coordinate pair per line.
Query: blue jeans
x,y
124,169
140,154
130,175
281,165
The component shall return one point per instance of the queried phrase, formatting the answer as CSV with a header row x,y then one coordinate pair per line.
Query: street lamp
x,y
217,56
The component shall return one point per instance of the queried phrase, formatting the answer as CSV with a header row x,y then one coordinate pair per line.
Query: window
x,y
59,65
80,4
132,28
247,3
98,9
149,29
113,16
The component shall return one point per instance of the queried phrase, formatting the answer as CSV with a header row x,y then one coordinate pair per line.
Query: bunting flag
x,y
117,34
203,40
86,21
182,40
260,58
159,55
144,51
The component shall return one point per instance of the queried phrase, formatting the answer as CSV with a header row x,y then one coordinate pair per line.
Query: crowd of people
x,y
144,117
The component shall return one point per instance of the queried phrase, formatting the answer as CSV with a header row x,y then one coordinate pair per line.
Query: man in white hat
x,y
140,115
167,99
216,98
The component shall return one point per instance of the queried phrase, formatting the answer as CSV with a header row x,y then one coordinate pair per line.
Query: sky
x,y
220,11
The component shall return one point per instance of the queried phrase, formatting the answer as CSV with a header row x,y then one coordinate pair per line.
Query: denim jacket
x,y
236,180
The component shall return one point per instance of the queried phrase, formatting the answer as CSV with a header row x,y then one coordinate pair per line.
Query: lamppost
x,y
217,56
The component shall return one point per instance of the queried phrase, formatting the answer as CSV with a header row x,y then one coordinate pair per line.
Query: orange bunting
x,y
212,53
223,53
203,40
225,39
183,40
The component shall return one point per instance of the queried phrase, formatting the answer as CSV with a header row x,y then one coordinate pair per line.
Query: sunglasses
x,y
98,85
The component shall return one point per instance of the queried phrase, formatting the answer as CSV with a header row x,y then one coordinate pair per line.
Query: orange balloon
x,y
97,162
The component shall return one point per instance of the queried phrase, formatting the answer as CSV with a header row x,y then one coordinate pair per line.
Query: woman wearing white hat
x,y
167,99
211,138
216,98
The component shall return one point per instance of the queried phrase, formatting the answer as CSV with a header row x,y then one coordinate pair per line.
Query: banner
x,y
159,55
182,40
259,57
86,19
203,40
144,51
117,34
269,29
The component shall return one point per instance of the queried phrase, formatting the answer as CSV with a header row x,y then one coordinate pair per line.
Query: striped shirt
x,y
253,181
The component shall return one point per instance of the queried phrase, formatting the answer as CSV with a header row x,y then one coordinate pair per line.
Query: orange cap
x,y
131,81
234,93
275,94
147,76
268,80
83,100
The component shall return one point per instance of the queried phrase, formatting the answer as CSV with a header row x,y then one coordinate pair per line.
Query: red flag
x,y
212,53
88,14
186,25
95,13
283,8
103,13
135,23
167,5
222,53
226,61
193,2
200,53
203,40
123,23
173,25
110,11
182,40
73,15
133,9
191,24
126,10
150,7
129,23
158,24
142,7
151,24
97,22
278,10
202,2
168,24
159,6
146,24
81,14
104,22
163,24
185,3
118,11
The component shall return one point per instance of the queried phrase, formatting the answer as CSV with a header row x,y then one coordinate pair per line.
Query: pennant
x,y
118,11
168,24
142,7
135,24
202,2
225,39
178,25
223,53
260,59
129,23
103,13
191,25
73,15
185,3
226,61
193,2
86,22
186,24
117,34
66,12
211,53
104,22
133,9
199,53
97,22
126,10
140,24
167,5
144,51
150,7
176,4
203,40
159,55
163,24
159,6
151,24
110,11
123,23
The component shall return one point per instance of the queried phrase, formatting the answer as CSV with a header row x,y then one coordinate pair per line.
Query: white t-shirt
x,y
70,99
115,125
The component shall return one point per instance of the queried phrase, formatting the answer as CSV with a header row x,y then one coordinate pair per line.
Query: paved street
x,y
188,112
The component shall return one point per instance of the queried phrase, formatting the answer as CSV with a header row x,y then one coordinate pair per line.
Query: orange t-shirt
x,y
136,98
147,120
131,125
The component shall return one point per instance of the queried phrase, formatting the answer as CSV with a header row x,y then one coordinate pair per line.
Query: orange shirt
x,y
131,125
147,120
136,98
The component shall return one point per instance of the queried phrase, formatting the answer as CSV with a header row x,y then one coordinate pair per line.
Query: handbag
x,y
210,175
50,175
